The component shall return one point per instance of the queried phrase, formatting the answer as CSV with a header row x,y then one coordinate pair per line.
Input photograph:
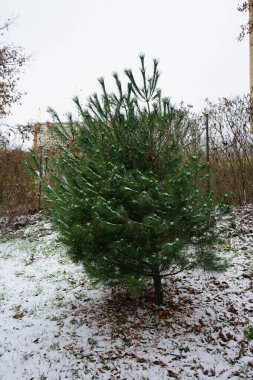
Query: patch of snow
x,y
54,325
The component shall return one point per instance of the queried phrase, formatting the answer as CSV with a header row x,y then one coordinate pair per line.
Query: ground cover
x,y
55,325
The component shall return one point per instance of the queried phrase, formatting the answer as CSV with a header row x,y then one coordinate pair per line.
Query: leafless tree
x,y
248,27
12,61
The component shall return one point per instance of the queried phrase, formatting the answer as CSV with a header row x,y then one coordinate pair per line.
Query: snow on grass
x,y
54,325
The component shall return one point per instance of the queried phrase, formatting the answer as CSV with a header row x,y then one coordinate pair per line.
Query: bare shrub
x,y
231,147
16,186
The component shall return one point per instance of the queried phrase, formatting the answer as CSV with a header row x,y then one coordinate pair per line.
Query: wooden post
x,y
251,58
208,155
36,132
40,178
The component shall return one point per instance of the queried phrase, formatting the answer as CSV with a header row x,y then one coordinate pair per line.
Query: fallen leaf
x,y
19,315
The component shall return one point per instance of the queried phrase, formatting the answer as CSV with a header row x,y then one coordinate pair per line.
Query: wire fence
x,y
222,133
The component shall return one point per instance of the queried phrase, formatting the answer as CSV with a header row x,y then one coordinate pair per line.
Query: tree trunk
x,y
251,56
158,289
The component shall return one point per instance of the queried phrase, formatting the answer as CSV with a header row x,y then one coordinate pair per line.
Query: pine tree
x,y
127,196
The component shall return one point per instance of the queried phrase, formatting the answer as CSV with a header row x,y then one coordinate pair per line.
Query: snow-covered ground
x,y
54,325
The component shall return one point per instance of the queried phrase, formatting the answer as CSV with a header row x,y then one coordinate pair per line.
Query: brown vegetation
x,y
232,175
231,148
17,188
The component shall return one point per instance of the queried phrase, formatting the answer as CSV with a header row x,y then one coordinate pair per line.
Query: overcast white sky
x,y
72,43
